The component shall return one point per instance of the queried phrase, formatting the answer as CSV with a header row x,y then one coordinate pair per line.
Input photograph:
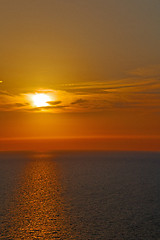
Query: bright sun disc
x,y
41,100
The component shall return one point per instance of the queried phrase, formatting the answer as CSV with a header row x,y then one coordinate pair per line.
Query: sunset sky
x,y
84,69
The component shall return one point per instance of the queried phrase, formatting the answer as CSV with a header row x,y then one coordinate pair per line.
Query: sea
x,y
80,195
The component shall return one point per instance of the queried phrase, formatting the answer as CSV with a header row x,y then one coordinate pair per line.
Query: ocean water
x,y
80,195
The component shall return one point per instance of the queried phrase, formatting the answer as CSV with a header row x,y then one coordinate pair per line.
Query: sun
x,y
41,100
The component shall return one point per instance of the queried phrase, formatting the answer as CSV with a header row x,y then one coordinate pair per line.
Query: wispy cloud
x,y
151,71
79,101
5,93
53,103
140,90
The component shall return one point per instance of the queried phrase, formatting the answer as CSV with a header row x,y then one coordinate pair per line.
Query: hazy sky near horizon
x,y
97,60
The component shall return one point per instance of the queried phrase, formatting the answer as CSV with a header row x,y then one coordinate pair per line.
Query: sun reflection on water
x,y
39,206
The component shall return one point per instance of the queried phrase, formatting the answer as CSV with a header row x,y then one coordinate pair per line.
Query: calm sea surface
x,y
83,196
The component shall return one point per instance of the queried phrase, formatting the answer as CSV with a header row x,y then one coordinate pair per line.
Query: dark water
x,y
80,196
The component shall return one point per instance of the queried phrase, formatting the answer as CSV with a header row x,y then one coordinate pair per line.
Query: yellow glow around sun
x,y
41,100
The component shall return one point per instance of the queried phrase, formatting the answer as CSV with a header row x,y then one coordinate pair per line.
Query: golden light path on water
x,y
39,206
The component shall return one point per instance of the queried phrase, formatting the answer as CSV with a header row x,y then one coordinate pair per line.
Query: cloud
x,y
94,88
54,102
21,104
53,107
79,101
151,71
5,93
86,90
12,106
34,109
139,91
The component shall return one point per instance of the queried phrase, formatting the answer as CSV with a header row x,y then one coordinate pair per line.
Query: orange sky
x,y
97,64
120,143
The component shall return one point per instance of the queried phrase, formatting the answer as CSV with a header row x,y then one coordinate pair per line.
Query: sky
x,y
93,66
